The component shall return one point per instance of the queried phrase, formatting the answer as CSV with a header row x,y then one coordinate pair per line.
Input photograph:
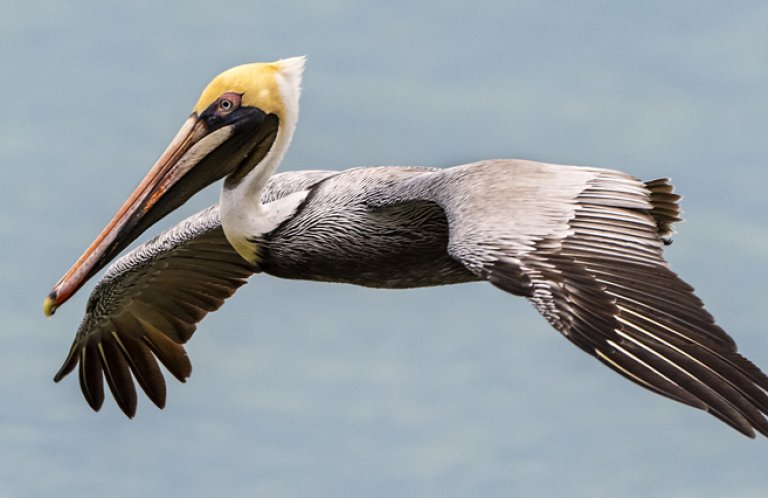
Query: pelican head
x,y
239,129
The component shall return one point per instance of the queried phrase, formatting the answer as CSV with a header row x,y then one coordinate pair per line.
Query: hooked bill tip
x,y
49,305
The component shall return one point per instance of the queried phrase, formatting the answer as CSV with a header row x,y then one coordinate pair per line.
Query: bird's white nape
x,y
293,67
289,82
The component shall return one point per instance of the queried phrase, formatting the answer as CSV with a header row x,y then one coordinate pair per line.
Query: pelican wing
x,y
149,302
147,305
584,245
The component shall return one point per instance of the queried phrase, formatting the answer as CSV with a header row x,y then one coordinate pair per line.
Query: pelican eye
x,y
228,103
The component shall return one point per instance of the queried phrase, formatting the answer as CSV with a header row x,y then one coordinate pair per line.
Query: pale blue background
x,y
304,389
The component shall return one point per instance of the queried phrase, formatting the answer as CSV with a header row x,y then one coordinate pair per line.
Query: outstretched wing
x,y
147,305
584,245
149,302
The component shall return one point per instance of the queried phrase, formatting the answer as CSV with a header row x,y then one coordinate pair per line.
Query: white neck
x,y
243,216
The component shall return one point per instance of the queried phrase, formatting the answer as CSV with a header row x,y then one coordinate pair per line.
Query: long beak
x,y
206,149
195,158
152,188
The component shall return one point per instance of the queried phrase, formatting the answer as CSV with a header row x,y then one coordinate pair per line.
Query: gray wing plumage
x,y
584,245
149,302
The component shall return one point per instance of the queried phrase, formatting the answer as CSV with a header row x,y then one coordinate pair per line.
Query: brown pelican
x,y
584,245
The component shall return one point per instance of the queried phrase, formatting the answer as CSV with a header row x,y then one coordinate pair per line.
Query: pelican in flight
x,y
583,245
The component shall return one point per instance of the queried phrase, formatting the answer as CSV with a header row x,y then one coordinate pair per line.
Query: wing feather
x,y
90,375
144,368
118,375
